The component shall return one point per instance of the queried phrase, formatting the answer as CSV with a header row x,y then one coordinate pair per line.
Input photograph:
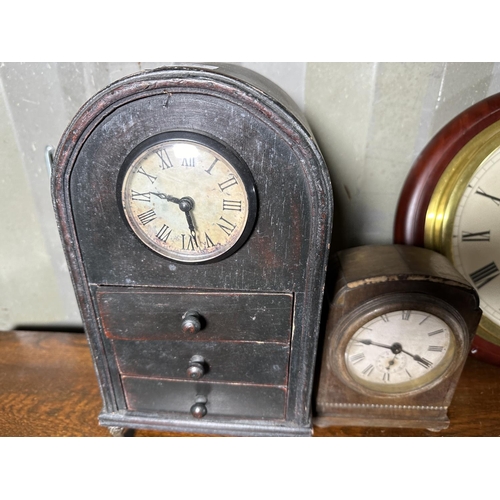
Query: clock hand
x,y
186,204
424,362
494,198
191,227
167,197
371,342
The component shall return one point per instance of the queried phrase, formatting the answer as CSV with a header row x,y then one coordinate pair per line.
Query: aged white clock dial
x,y
476,234
188,198
399,351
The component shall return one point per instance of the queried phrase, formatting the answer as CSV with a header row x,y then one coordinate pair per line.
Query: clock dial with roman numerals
x,y
187,197
476,234
400,351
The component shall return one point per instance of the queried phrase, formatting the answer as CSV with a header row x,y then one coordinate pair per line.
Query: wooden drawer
x,y
222,399
244,362
145,314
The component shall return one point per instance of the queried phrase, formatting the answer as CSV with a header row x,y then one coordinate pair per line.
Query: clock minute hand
x,y
493,198
191,227
424,362
186,204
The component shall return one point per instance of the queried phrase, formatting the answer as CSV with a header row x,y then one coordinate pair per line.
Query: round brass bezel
x,y
389,303
442,209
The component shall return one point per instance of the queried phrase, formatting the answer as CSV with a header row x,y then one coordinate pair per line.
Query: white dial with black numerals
x,y
476,234
399,351
186,200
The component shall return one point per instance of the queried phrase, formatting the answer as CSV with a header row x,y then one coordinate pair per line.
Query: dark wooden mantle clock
x,y
195,211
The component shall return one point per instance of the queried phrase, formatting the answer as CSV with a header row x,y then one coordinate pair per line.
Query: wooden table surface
x,y
48,388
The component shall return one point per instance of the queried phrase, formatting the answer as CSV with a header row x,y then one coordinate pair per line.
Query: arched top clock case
x,y
400,324
222,343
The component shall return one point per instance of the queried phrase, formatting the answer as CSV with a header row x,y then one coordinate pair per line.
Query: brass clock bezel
x,y
383,305
231,157
442,208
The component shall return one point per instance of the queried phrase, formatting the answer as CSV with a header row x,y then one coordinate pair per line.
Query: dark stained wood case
x,y
385,276
260,306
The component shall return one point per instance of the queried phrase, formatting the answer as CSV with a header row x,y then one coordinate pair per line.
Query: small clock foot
x,y
117,431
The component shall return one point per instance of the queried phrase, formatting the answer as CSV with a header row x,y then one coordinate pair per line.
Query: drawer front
x,y
222,399
142,314
244,362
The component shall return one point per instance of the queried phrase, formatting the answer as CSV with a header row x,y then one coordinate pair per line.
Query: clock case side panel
x,y
304,343
338,404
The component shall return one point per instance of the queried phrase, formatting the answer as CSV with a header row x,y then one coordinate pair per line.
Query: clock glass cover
x,y
187,197
400,351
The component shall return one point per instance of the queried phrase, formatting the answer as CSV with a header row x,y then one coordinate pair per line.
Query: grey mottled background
x,y
371,121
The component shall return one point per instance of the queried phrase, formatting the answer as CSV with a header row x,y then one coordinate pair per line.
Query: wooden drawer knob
x,y
191,322
199,409
196,368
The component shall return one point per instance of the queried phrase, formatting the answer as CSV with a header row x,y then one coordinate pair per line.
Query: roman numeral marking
x,y
163,234
436,348
227,230
147,217
385,318
435,332
231,205
409,374
165,161
187,244
405,315
209,171
366,328
481,236
208,242
484,275
493,198
386,377
227,184
356,358
425,319
188,162
368,370
136,196
152,178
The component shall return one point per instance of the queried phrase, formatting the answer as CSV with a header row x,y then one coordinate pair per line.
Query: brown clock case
x,y
396,277
259,307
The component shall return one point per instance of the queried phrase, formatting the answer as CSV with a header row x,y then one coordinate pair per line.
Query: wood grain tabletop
x,y
48,388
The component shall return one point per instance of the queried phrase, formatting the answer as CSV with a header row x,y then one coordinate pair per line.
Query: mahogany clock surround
x,y
454,147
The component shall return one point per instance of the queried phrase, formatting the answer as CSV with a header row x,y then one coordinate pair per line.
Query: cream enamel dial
x,y
188,198
476,234
400,351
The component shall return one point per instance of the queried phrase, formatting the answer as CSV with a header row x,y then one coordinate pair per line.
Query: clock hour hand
x,y
371,342
167,197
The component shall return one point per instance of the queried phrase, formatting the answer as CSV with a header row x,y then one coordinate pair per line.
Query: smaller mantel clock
x,y
399,329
